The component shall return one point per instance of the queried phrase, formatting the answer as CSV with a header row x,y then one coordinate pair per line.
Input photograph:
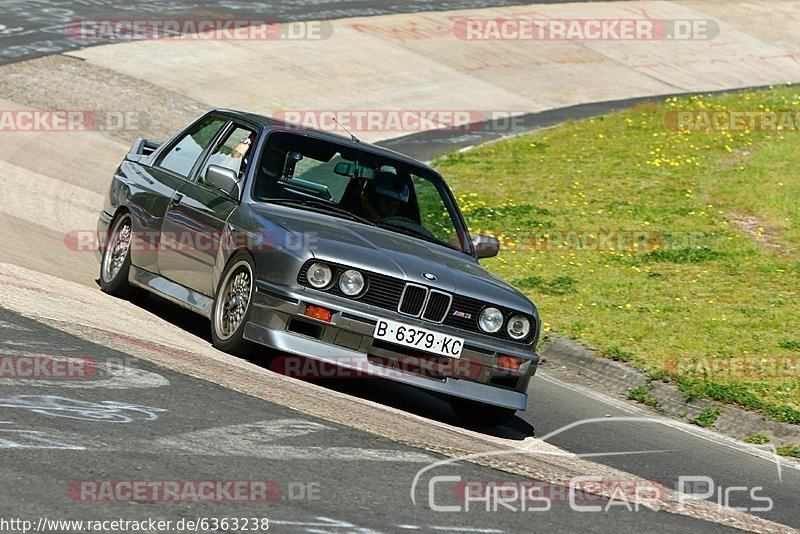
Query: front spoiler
x,y
358,361
268,327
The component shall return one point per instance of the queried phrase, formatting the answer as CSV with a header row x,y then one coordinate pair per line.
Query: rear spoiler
x,y
141,148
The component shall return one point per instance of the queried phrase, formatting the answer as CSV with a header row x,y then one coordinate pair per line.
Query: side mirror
x,y
223,179
486,246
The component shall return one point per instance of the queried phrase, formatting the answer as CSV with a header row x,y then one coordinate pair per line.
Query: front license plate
x,y
419,338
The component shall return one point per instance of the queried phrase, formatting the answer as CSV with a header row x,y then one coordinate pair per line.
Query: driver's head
x,y
388,193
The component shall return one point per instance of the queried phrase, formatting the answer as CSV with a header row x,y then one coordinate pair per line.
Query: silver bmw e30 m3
x,y
323,247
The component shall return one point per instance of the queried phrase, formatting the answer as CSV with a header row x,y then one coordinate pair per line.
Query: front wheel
x,y
233,304
479,414
116,262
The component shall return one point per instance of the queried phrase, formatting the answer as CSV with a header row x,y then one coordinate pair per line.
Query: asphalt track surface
x,y
426,146
35,28
353,493
662,453
59,438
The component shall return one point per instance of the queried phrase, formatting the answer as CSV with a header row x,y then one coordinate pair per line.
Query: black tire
x,y
115,264
228,337
478,414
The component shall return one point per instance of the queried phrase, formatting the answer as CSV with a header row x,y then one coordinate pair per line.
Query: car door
x,y
171,169
195,220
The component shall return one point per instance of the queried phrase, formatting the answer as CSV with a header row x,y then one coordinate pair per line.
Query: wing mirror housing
x,y
486,246
223,179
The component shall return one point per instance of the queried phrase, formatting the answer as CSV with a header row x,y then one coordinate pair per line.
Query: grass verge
x,y
640,394
672,249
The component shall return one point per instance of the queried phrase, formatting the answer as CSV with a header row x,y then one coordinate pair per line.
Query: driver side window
x,y
233,153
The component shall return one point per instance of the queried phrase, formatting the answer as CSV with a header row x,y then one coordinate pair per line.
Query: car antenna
x,y
352,137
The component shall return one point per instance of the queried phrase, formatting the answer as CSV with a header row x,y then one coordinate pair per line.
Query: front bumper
x,y
346,341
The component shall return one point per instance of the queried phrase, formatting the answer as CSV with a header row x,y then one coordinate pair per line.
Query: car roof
x,y
291,127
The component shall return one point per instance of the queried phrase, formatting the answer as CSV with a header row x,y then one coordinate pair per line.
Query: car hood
x,y
393,254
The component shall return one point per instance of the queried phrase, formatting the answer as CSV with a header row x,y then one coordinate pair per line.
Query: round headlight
x,y
491,320
518,327
351,282
319,275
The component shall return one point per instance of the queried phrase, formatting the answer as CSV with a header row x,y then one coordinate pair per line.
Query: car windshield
x,y
318,175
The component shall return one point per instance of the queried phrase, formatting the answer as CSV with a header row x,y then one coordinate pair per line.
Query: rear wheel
x,y
479,414
233,304
116,262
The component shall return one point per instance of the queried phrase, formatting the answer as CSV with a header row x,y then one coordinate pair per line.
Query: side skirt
x,y
175,293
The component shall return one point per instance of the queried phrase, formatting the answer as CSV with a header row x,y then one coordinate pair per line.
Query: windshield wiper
x,y
414,233
321,206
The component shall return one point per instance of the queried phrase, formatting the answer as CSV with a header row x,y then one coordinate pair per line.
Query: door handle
x,y
176,199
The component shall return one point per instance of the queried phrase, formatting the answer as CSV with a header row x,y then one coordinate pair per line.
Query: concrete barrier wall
x,y
411,62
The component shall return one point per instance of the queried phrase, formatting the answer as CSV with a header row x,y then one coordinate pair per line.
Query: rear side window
x,y
182,157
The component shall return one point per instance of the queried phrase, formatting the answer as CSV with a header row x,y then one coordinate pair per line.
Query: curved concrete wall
x,y
395,62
